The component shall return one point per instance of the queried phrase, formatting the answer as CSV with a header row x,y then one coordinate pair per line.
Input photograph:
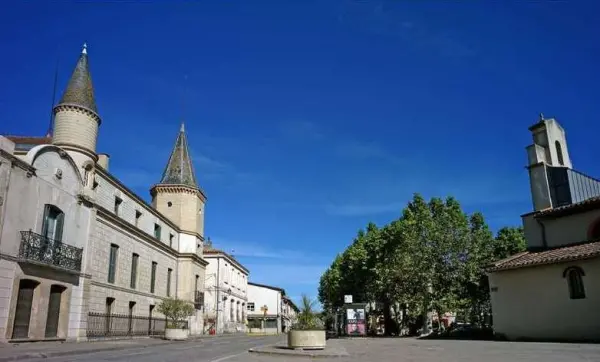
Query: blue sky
x,y
308,119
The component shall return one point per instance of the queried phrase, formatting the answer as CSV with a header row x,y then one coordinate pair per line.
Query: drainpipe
x,y
5,199
544,240
218,296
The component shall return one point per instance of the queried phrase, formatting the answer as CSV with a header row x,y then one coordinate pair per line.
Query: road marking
x,y
228,357
239,354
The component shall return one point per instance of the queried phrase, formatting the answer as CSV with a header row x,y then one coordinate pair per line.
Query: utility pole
x,y
218,296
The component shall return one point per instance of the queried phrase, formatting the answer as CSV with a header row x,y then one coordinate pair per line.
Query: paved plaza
x,y
415,350
235,349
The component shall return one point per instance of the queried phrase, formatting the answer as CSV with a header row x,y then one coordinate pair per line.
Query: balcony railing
x,y
198,299
38,248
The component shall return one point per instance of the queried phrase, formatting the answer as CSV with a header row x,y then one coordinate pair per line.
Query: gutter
x,y
4,200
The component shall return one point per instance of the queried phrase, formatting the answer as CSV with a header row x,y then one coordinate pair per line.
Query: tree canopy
x,y
431,258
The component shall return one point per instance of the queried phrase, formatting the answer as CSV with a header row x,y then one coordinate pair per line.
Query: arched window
x,y
559,153
575,282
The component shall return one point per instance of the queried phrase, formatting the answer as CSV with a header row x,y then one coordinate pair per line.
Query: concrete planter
x,y
176,334
314,339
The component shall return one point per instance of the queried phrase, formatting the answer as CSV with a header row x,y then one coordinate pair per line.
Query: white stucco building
x,y
226,292
81,255
551,291
265,306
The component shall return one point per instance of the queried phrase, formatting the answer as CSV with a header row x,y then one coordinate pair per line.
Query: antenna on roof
x,y
51,125
183,97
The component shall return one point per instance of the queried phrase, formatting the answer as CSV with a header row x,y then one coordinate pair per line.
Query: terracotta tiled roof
x,y
559,255
567,209
30,140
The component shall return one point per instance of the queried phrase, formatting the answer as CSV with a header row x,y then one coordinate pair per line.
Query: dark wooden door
x,y
23,311
53,311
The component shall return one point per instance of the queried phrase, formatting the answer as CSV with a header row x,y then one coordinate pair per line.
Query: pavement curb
x,y
30,355
294,353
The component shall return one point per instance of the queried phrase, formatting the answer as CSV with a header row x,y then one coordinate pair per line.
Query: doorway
x,y
23,309
53,310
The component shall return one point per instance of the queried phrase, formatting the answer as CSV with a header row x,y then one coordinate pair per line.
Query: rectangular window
x,y
118,203
157,231
109,304
134,266
112,262
171,237
138,216
153,276
250,307
196,284
52,226
169,272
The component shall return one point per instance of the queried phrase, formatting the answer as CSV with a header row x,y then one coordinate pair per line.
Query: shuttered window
x,y
112,262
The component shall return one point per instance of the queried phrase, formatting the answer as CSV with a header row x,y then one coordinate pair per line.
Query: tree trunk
x,y
387,318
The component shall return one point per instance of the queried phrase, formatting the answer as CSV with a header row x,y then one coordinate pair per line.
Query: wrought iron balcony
x,y
198,299
38,248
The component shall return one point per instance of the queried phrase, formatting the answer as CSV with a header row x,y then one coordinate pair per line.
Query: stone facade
x,y
76,243
51,178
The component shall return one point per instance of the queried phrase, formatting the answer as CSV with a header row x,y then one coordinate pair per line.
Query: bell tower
x,y
76,116
178,196
549,150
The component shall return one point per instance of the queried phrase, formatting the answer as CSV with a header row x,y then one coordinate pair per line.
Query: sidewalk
x,y
28,350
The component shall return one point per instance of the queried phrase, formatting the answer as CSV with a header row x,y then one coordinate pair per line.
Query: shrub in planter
x,y
177,311
308,331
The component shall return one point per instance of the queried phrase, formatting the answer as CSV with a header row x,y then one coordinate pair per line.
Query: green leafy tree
x,y
508,241
176,311
432,258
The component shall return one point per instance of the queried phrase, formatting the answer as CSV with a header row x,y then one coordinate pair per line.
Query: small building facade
x,y
289,314
226,291
550,292
81,255
265,307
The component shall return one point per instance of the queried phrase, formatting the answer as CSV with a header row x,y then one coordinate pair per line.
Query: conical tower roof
x,y
179,170
80,91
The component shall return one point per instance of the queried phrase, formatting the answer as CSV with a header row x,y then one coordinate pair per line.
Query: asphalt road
x,y
205,350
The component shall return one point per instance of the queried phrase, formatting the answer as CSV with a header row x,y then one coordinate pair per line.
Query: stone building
x,y
551,291
226,292
81,254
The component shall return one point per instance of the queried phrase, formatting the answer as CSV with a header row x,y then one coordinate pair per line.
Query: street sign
x,y
347,299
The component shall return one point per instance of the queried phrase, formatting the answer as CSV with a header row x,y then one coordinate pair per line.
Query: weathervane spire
x,y
84,49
